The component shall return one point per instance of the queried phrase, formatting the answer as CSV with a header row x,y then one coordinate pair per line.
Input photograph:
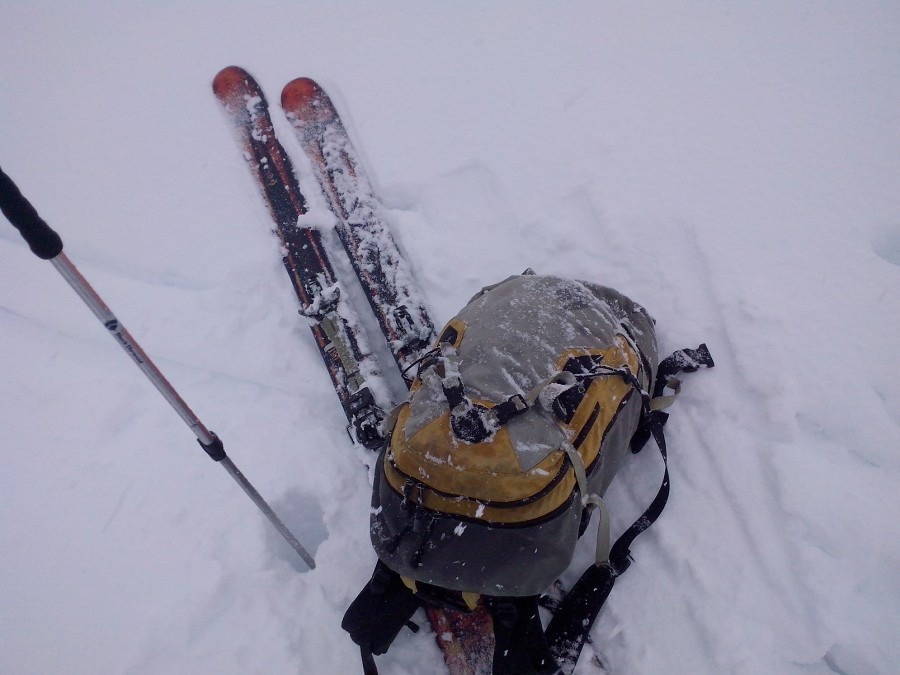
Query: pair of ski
x,y
466,640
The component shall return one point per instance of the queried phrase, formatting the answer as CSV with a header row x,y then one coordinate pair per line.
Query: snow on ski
x,y
384,273
338,336
466,639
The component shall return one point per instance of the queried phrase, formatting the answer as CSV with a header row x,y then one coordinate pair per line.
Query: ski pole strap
x,y
41,238
571,625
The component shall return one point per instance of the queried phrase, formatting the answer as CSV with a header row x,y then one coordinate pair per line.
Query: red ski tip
x,y
306,100
230,78
300,93
230,86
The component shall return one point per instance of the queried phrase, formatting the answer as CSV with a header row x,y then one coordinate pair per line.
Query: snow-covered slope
x,y
733,168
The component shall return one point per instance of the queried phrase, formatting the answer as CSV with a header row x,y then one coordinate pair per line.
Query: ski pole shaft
x,y
46,244
121,335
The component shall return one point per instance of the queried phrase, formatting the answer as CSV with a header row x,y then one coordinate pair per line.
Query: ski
x,y
466,639
341,343
383,272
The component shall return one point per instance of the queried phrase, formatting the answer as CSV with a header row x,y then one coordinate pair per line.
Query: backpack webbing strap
x,y
368,661
681,361
570,627
520,646
590,500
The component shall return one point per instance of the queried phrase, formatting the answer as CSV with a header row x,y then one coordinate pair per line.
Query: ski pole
x,y
46,244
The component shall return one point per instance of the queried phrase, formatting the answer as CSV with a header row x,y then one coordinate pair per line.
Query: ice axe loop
x,y
46,244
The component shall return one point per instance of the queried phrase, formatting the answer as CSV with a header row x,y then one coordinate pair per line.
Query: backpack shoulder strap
x,y
520,645
572,623
378,614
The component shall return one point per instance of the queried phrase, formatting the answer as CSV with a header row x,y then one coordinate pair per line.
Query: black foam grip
x,y
41,238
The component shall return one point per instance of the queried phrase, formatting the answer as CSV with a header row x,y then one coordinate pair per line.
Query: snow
x,y
732,167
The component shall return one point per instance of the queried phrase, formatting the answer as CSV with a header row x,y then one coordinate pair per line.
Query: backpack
x,y
517,421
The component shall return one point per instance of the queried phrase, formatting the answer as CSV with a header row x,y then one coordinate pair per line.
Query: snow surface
x,y
733,167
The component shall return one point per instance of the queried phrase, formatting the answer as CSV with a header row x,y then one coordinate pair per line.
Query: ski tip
x,y
234,80
301,93
230,78
305,99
